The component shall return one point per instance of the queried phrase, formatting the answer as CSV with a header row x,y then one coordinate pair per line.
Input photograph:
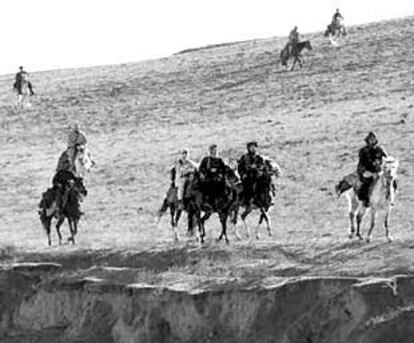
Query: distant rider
x,y
21,77
293,40
337,21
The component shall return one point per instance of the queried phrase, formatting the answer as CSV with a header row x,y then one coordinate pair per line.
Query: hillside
x,y
137,116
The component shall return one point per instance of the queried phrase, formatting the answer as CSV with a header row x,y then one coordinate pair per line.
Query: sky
x,y
50,34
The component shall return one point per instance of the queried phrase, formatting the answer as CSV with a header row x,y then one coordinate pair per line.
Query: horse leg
x,y
175,217
243,217
190,224
353,204
386,225
234,223
223,221
293,65
72,236
58,225
201,231
268,226
47,221
373,216
258,224
360,215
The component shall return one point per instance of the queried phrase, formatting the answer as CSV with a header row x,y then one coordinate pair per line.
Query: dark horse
x,y
222,196
263,199
287,53
74,191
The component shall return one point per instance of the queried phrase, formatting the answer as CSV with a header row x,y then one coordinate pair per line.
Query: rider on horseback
x,y
212,170
181,173
336,23
370,162
337,17
293,40
21,77
76,140
249,167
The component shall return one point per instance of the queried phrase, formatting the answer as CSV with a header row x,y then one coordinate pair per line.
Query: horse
x,y
223,194
70,210
171,202
336,32
263,199
381,197
24,91
287,53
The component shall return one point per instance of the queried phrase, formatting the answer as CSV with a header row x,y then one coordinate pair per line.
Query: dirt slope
x,y
137,116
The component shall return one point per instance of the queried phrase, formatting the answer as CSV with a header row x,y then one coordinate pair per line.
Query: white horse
x,y
83,161
336,32
381,199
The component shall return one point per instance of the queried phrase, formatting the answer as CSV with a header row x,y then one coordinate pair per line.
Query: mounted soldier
x,y
21,78
370,162
181,173
293,40
212,172
249,167
67,162
337,19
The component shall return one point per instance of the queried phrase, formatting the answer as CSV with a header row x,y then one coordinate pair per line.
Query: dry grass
x,y
137,116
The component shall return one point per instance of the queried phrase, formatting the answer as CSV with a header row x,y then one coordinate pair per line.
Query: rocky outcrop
x,y
40,301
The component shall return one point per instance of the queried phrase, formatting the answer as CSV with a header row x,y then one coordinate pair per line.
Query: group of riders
x,y
336,25
252,165
213,172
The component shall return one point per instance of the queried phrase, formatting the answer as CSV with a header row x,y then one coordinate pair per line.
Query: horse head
x,y
79,187
83,160
231,175
390,167
308,45
272,168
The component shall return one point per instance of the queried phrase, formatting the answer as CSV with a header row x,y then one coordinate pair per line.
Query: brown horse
x,y
287,53
223,195
70,209
263,200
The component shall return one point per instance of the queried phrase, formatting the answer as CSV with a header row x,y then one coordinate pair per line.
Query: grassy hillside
x,y
137,116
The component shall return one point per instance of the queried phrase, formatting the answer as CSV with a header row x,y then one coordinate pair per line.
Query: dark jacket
x,y
212,166
370,159
249,162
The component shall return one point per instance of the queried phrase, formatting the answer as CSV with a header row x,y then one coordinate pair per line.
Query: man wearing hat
x,y
370,162
212,170
249,167
181,172
76,139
